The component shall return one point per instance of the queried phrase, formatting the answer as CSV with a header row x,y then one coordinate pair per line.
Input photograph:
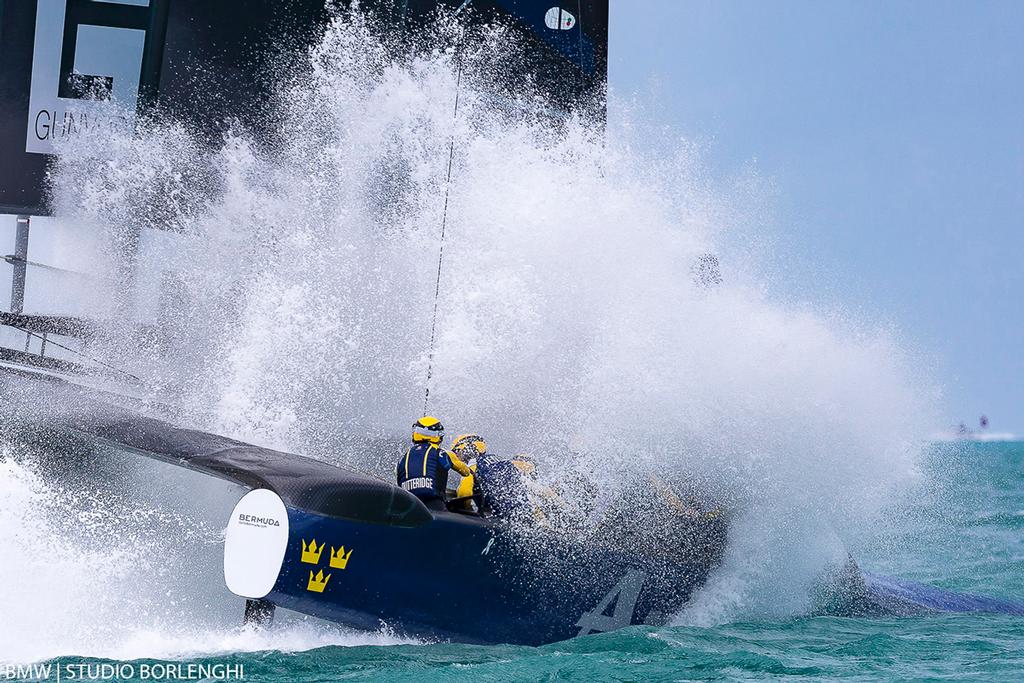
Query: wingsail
x,y
565,43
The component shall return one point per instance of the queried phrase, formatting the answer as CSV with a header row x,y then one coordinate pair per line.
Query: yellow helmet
x,y
469,446
428,429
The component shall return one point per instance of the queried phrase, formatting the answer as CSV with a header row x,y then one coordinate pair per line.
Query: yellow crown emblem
x,y
317,583
311,553
339,560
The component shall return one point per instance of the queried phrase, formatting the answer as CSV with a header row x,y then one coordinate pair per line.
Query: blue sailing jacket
x,y
502,486
423,470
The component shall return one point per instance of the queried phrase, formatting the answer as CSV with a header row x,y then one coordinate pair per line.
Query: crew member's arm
x,y
456,464
467,485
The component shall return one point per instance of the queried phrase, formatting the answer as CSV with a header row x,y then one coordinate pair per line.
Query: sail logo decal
x,y
339,560
253,520
317,583
311,554
557,19
87,67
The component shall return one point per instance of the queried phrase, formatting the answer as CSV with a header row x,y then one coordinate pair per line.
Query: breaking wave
x,y
292,289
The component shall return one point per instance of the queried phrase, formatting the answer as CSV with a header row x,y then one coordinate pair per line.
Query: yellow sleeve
x,y
459,466
465,489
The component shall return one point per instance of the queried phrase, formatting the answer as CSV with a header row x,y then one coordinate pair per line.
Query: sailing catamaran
x,y
307,536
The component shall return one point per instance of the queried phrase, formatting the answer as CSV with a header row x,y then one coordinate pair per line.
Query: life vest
x,y
423,470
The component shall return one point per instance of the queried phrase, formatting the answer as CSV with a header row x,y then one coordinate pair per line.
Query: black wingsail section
x,y
195,52
571,40
35,401
562,45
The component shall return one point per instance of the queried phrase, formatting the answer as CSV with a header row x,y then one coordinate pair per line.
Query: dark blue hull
x,y
469,579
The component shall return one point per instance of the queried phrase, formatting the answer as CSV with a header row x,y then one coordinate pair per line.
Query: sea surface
x,y
961,530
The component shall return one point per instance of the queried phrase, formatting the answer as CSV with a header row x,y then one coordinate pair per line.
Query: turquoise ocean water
x,y
961,530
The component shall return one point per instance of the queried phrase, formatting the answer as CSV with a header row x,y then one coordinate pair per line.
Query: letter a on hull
x,y
254,544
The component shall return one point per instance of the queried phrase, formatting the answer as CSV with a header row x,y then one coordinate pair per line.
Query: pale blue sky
x,y
893,136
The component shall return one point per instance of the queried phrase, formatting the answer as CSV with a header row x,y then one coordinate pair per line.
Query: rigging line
x,y
444,225
76,352
581,81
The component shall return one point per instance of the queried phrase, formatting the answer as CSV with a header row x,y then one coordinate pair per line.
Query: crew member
x,y
494,480
469,448
423,470
501,484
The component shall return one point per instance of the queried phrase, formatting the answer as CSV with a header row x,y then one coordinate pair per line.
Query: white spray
x,y
569,318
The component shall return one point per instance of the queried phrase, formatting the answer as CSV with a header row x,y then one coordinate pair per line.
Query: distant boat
x,y
964,433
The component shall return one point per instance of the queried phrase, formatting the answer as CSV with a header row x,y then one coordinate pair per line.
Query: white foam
x,y
109,579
